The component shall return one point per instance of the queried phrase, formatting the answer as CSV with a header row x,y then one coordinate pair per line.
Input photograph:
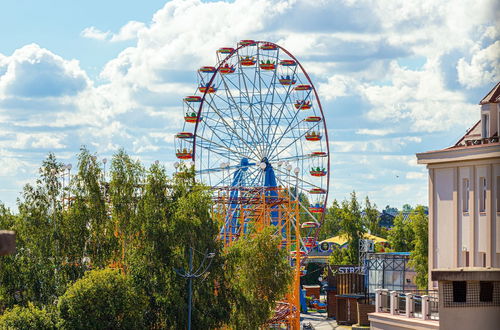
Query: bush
x,y
102,299
27,318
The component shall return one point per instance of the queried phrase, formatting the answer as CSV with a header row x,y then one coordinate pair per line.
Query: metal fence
x,y
408,304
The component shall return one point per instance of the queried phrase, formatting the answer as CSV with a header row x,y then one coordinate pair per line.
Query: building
x,y
464,195
464,236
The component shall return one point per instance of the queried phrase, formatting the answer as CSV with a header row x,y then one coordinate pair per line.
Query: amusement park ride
x,y
256,133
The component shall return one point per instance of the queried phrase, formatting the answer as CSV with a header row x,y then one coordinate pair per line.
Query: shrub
x,y
102,299
27,318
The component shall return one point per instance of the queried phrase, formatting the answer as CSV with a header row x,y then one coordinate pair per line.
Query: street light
x,y
190,274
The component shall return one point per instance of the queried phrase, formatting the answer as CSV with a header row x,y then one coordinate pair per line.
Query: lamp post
x,y
190,274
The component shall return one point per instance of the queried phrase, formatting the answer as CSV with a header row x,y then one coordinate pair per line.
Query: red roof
x,y
493,96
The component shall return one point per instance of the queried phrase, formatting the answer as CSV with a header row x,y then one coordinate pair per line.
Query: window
x,y
465,195
498,193
459,291
486,126
485,291
482,194
466,258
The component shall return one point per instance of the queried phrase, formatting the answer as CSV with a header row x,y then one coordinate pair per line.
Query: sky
x,y
394,77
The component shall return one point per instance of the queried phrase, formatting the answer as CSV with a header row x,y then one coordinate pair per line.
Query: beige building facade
x,y
464,195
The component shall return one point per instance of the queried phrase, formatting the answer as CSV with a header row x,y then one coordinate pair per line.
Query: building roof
x,y
472,145
493,96
466,274
342,239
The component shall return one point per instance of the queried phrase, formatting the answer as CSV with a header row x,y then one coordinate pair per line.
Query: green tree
x,y
88,230
258,274
174,216
371,218
352,226
339,257
28,318
39,276
401,235
125,190
391,210
407,208
331,223
102,299
419,254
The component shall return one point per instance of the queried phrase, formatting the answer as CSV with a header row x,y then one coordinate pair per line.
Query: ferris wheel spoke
x,y
235,168
282,110
288,128
258,132
306,209
297,178
215,131
251,117
233,130
220,146
243,120
293,142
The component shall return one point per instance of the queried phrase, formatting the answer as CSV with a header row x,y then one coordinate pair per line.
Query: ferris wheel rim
x,y
313,89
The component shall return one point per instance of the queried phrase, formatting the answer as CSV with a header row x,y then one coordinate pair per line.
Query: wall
x,y
385,321
456,318
443,220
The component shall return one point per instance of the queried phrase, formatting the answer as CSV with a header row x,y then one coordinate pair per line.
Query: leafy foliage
x,y
352,226
102,299
401,235
331,223
420,253
28,318
371,218
172,217
258,274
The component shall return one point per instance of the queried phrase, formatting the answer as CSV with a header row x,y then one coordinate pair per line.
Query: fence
x,y
408,304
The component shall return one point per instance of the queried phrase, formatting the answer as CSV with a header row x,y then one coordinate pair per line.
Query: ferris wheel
x,y
254,121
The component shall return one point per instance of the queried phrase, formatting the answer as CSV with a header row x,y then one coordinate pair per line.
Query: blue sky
x,y
395,78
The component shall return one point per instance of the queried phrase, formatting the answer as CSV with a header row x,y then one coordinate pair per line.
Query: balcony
x,y
405,309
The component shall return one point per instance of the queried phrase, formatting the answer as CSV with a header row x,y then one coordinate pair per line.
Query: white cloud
x,y
376,132
374,145
94,33
35,72
419,99
483,68
128,32
355,50
416,175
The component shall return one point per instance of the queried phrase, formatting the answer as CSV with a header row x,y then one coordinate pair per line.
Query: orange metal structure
x,y
257,208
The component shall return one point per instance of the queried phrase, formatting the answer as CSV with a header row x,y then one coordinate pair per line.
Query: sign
x,y
324,247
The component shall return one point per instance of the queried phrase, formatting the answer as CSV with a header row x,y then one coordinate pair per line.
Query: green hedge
x,y
102,299
27,318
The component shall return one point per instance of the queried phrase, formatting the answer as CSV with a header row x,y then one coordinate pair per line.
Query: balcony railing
x,y
407,304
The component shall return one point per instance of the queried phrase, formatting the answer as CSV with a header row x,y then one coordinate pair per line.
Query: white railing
x,y
406,304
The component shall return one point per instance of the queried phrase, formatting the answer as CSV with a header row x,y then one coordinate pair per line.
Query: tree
x,y
39,276
28,318
124,194
87,215
339,257
401,235
371,218
391,210
407,208
173,216
331,223
419,254
102,299
258,274
352,226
